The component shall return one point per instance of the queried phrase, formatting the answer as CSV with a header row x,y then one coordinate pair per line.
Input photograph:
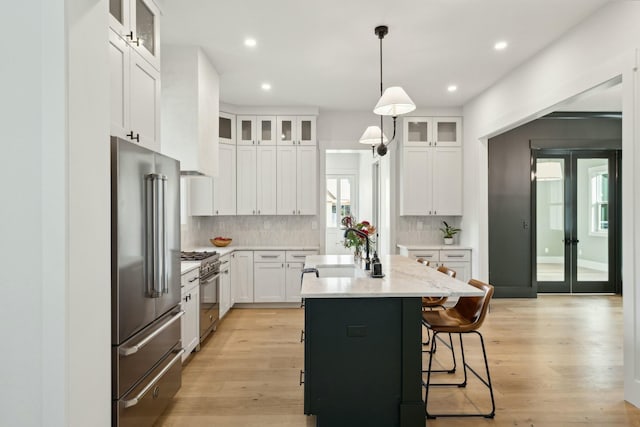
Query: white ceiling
x,y
324,53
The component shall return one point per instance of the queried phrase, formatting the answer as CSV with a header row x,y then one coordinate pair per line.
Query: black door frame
x,y
571,156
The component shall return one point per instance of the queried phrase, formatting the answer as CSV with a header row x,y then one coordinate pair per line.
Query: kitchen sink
x,y
340,270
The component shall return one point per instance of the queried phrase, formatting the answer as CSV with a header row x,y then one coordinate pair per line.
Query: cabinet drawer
x,y
427,255
299,256
225,262
455,255
268,256
190,279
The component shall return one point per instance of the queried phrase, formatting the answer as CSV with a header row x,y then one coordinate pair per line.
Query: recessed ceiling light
x,y
266,86
452,88
250,42
501,45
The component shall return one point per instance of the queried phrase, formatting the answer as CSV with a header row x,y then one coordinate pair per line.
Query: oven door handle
x,y
133,402
209,280
128,351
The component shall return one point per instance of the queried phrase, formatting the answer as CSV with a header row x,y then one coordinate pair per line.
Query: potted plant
x,y
449,231
352,240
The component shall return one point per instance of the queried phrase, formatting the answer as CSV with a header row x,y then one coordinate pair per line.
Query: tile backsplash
x,y
261,230
416,230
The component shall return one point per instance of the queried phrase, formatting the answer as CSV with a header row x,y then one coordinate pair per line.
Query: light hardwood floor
x,y
554,361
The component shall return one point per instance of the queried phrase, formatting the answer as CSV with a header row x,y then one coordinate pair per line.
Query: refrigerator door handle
x,y
132,402
128,351
156,269
163,236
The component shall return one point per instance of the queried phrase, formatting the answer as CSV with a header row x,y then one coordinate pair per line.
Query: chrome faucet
x,y
365,236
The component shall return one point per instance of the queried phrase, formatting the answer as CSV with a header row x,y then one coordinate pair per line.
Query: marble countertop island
x,y
403,278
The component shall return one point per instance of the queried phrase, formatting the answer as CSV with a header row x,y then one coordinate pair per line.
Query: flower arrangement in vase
x,y
352,240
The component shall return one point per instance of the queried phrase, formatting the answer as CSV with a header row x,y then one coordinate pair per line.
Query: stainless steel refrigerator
x,y
145,283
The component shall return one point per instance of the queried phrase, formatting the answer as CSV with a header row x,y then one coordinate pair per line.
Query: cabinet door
x,y
246,180
306,130
225,292
416,190
286,180
145,102
306,190
200,196
242,275
145,24
447,181
224,185
119,12
246,130
266,180
447,131
189,326
294,271
119,64
269,285
227,128
417,131
286,130
462,269
266,130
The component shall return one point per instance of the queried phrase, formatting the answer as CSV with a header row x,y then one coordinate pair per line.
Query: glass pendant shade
x,y
394,102
371,136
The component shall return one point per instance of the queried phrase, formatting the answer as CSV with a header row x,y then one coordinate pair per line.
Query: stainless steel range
x,y
209,289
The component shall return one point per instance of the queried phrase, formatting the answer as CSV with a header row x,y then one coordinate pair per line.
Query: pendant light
x,y
393,102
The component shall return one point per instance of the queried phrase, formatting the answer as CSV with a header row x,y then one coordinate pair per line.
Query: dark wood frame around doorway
x,y
614,283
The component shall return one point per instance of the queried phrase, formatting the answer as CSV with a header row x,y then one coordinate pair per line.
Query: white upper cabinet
x,y
256,130
297,180
431,181
135,95
296,130
256,180
224,185
138,22
431,170
227,128
287,181
307,180
190,109
432,131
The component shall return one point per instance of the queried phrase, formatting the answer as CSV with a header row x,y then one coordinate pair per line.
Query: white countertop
x,y
187,266
432,247
403,278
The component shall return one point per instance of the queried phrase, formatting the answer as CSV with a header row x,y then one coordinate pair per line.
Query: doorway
x,y
576,222
341,201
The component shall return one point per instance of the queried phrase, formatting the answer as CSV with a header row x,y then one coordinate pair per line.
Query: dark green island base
x,y
363,362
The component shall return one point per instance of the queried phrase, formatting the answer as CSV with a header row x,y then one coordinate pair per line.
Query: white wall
x,y
55,363
599,49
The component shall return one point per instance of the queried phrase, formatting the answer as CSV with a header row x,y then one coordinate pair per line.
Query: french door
x,y
340,201
576,222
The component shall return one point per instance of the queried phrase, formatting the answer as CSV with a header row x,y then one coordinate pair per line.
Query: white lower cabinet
x,y
269,276
458,260
225,285
242,274
190,328
294,266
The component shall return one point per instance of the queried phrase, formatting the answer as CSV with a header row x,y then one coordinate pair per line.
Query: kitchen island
x,y
363,340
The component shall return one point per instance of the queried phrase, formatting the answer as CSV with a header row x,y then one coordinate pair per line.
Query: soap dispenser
x,y
377,266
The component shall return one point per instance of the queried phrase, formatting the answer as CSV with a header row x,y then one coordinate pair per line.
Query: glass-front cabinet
x,y
296,130
432,131
137,21
286,130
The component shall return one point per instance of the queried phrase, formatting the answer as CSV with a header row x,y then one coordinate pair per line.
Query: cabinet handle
x,y
298,212
454,256
302,335
269,256
216,212
134,138
301,377
253,142
258,211
254,212
258,142
193,280
130,37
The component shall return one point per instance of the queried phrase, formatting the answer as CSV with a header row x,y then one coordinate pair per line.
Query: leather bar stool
x,y
429,303
465,317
